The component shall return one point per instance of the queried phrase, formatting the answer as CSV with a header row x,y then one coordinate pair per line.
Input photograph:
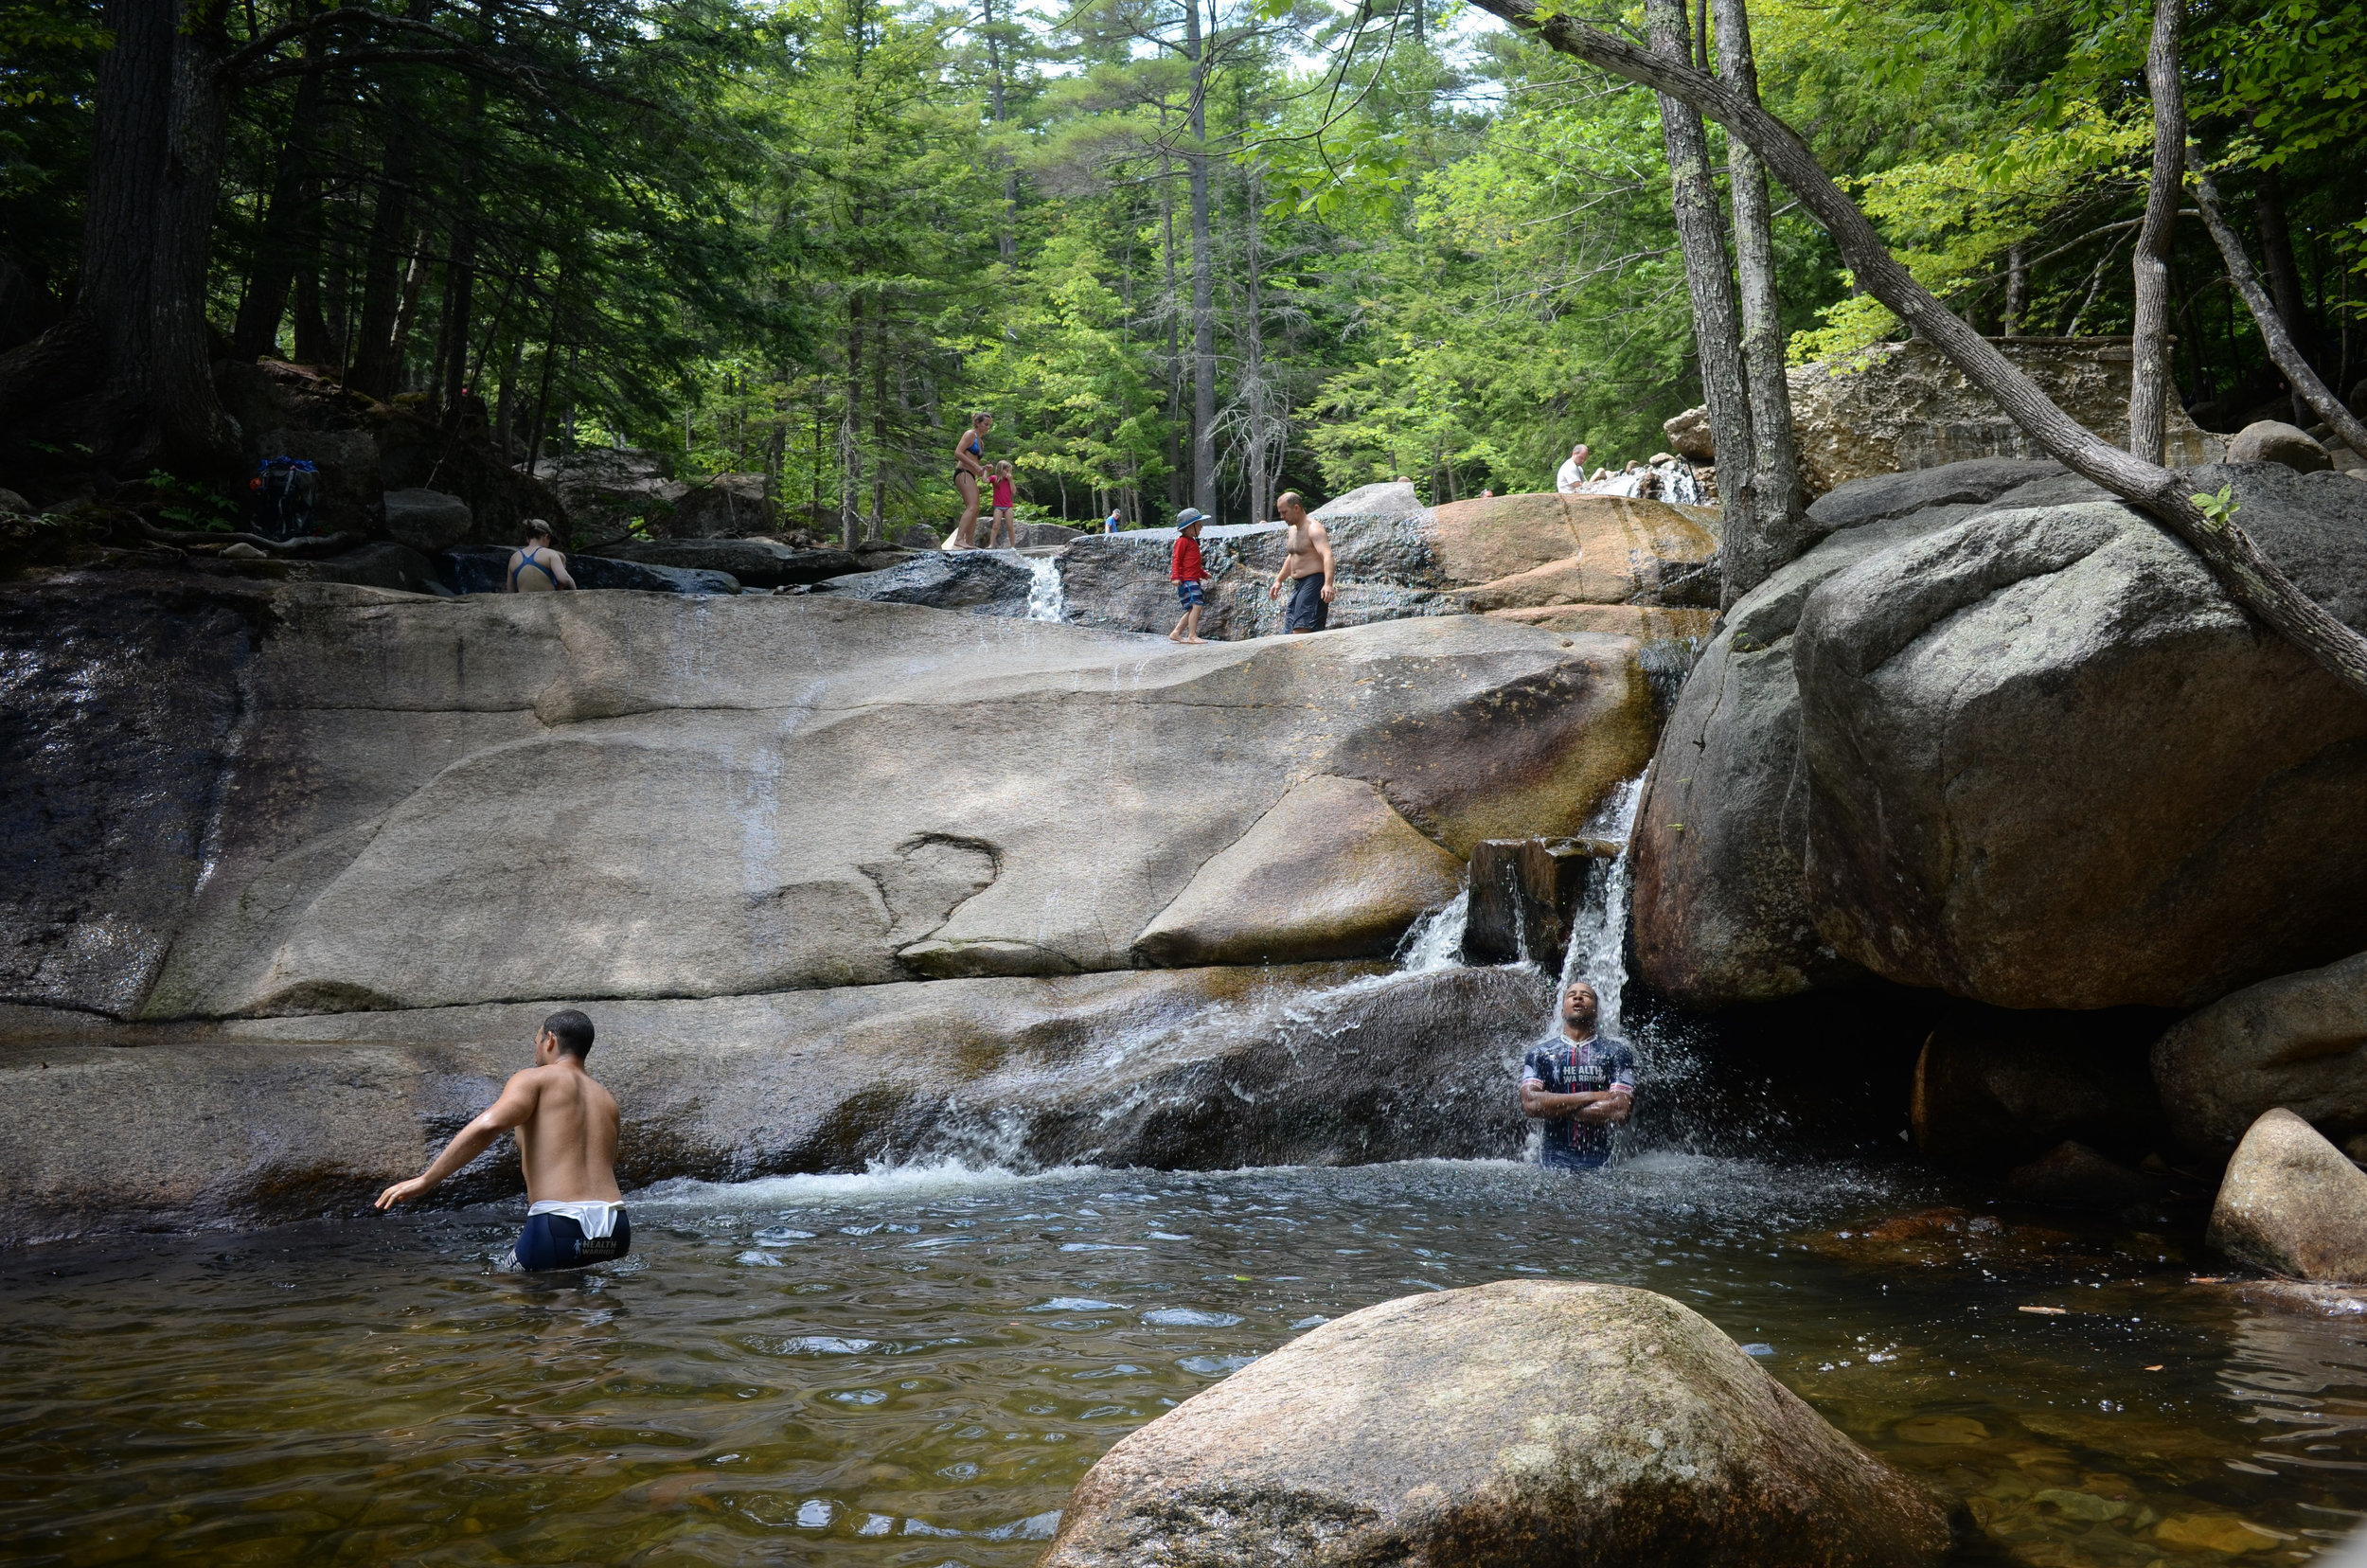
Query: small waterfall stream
x,y
1046,599
1599,933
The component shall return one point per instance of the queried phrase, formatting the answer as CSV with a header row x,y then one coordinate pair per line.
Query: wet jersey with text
x,y
1565,1066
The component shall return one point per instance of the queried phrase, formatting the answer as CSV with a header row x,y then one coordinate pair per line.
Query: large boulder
x,y
1900,406
1563,562
2293,1203
1526,1421
609,795
984,582
724,507
2273,441
608,490
1722,914
383,564
2295,1041
277,1120
427,519
2050,764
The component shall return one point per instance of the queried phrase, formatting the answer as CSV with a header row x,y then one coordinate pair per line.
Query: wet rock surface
x,y
1559,1423
754,562
2294,1041
1524,893
2050,764
611,795
485,569
2293,1203
427,519
124,707
984,582
278,1119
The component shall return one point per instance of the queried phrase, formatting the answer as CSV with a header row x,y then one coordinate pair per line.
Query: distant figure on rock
x,y
969,466
1185,570
1571,478
1580,1085
1005,480
566,1129
534,566
1306,567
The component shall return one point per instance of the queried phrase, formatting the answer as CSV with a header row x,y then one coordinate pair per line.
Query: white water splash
x,y
1046,599
1435,942
928,1177
1598,937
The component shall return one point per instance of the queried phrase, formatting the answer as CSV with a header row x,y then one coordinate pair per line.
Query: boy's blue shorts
x,y
1187,593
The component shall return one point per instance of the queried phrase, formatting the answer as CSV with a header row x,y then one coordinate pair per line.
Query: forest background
x,y
1186,253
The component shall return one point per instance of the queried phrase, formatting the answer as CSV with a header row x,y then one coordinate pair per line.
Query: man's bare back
x,y
566,1126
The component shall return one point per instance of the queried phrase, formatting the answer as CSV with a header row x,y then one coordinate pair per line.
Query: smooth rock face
x,y
384,564
1532,1422
2050,765
984,583
1524,893
2273,441
605,795
426,520
2293,1203
2298,1040
279,1119
1331,872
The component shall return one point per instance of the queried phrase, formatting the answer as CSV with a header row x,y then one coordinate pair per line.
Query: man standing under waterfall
x,y
1580,1085
567,1127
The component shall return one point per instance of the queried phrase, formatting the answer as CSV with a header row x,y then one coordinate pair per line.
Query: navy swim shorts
x,y
1308,611
555,1241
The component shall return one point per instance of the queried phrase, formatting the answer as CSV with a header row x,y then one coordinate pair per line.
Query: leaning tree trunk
x,y
1778,505
127,374
2149,337
1716,332
1204,279
2251,579
2283,350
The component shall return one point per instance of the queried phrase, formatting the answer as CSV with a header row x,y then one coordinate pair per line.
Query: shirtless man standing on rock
x,y
1306,567
567,1127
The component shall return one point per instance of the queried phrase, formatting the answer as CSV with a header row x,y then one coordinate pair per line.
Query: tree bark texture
x,y
2283,350
1716,326
2150,381
2017,289
1199,49
2251,579
849,448
129,373
291,237
1780,504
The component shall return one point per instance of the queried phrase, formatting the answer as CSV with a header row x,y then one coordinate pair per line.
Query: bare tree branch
x,y
2251,579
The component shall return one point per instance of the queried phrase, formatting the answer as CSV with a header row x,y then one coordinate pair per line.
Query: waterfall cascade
x,y
1045,596
1599,933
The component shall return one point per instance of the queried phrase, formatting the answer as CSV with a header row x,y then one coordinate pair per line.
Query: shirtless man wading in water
x,y
1307,568
566,1128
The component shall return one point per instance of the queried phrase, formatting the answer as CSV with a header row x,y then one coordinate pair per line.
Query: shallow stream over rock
x,y
912,1367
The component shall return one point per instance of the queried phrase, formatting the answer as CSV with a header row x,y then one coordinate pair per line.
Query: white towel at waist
x,y
595,1215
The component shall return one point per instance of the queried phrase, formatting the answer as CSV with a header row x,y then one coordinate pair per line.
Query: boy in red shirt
x,y
1187,573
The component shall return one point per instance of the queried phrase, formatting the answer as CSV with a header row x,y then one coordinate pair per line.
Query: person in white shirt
x,y
1573,475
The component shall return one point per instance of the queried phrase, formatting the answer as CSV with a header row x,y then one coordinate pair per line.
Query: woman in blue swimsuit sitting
x,y
534,566
970,467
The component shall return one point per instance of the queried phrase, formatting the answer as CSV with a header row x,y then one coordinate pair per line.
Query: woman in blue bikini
x,y
970,467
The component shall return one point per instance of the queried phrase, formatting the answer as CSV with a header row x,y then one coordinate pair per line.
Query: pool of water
x,y
913,1367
